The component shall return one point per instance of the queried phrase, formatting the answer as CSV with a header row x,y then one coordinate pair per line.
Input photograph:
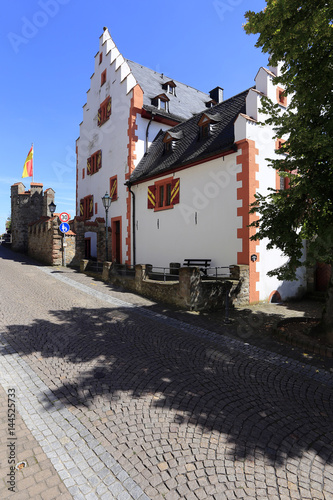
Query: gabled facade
x,y
127,104
194,187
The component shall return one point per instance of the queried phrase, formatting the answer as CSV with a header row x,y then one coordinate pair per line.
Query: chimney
x,y
217,94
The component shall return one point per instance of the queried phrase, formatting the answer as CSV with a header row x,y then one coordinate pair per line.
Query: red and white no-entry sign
x,y
64,216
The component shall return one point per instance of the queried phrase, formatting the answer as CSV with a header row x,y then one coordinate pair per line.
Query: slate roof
x,y
189,147
182,106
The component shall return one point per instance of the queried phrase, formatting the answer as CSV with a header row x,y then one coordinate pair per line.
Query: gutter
x,y
147,131
129,185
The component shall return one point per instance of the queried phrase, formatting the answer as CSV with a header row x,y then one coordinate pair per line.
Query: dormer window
x,y
161,102
207,124
204,126
210,104
170,140
169,87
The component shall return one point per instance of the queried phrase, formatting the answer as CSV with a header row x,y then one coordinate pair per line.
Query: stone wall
x,y
240,294
45,242
190,292
27,207
80,226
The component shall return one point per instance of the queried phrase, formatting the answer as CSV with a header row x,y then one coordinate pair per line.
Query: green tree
x,y
9,225
298,34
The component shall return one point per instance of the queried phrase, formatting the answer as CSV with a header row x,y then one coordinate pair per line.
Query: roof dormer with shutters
x,y
170,139
206,124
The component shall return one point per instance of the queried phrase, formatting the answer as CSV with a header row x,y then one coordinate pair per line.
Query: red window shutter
x,y
82,207
91,206
99,117
151,196
175,189
113,189
99,159
89,166
108,109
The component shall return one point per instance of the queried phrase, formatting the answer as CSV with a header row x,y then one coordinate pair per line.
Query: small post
x,y
64,248
226,319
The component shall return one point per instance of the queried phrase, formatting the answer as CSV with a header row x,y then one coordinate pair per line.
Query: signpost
x,y
64,216
64,228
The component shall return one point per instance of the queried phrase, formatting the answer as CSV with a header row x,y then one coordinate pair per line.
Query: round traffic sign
x,y
64,227
64,216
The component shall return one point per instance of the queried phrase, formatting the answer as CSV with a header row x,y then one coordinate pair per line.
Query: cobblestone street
x,y
117,398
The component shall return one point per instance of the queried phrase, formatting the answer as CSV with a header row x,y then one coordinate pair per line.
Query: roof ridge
x,y
166,77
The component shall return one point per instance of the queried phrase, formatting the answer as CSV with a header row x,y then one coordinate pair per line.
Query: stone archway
x,y
81,227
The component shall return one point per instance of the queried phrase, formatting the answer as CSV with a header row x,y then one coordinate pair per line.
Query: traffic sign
x,y
64,227
64,216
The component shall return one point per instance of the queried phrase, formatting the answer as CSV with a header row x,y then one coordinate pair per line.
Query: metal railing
x,y
95,267
162,274
220,272
123,269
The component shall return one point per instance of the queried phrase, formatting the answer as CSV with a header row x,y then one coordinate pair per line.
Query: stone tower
x,y
27,207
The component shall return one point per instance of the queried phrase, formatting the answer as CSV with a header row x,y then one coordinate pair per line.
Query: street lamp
x,y
106,204
52,207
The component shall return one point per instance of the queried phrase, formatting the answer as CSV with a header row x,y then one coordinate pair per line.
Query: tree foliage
x,y
299,35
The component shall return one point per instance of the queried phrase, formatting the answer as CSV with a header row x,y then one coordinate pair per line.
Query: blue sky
x,y
47,51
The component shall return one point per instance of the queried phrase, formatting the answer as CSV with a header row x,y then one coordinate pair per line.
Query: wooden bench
x,y
205,263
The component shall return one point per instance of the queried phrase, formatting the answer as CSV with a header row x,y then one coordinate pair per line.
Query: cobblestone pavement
x,y
118,398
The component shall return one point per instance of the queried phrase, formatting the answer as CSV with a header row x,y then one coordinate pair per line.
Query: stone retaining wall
x,y
190,292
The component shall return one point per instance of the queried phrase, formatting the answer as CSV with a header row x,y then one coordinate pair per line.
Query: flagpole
x,y
33,161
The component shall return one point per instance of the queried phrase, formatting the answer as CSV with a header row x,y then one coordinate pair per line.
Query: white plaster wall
x,y
273,258
153,130
93,242
111,137
210,190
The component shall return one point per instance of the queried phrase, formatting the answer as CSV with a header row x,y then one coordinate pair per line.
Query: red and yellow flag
x,y
28,165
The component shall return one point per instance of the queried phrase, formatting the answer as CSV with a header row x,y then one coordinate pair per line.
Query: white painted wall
x,y
93,242
263,137
111,137
210,192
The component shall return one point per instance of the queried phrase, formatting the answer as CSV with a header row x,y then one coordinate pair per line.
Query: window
x,y
83,172
161,102
100,57
113,188
170,139
103,77
87,207
204,126
164,194
281,96
279,143
104,111
94,163
170,87
204,130
167,147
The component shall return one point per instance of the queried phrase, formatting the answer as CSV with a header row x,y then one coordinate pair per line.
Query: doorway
x,y
116,239
87,248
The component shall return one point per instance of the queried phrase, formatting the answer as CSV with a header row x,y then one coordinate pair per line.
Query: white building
x,y
194,187
127,104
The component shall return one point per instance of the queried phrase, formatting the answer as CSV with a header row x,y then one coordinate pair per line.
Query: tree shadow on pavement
x,y
111,359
